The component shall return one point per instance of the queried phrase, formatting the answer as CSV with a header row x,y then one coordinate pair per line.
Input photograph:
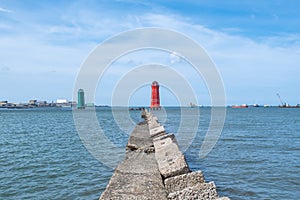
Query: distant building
x,y
42,104
3,102
32,102
81,101
62,101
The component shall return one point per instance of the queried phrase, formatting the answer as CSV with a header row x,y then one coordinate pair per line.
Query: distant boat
x,y
285,105
66,107
139,108
289,106
240,106
192,105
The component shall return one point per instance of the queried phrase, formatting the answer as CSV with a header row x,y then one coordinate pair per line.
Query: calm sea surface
x,y
256,157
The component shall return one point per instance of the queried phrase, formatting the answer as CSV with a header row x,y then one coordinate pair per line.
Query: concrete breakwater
x,y
155,168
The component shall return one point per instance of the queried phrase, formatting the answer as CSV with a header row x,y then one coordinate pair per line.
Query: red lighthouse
x,y
155,103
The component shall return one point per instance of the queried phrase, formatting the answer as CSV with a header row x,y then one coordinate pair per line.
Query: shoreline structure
x,y
155,168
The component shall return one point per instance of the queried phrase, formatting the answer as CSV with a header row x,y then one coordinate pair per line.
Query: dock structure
x,y
154,168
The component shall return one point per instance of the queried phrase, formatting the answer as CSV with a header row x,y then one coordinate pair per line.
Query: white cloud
x,y
174,58
261,67
243,62
5,10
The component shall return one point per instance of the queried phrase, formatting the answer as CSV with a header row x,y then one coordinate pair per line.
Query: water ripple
x,y
42,157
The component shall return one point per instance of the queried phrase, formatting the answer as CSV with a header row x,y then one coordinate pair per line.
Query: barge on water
x,y
240,106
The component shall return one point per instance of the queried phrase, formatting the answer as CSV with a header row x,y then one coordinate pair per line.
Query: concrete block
x,y
144,113
139,138
171,161
202,191
156,131
148,115
137,177
180,182
155,119
163,141
153,123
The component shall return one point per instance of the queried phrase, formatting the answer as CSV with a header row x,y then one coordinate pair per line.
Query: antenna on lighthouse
x,y
155,101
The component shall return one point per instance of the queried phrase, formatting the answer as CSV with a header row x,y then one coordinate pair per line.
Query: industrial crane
x,y
283,104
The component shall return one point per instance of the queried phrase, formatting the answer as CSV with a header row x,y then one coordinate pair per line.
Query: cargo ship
x,y
240,106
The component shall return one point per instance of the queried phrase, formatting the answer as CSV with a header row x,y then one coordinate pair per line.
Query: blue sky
x,y
254,44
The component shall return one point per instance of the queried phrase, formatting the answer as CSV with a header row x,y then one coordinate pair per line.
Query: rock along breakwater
x,y
155,168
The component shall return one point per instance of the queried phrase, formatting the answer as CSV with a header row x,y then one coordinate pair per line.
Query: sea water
x,y
43,157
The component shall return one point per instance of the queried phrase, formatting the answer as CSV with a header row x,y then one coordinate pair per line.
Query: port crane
x,y
283,104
